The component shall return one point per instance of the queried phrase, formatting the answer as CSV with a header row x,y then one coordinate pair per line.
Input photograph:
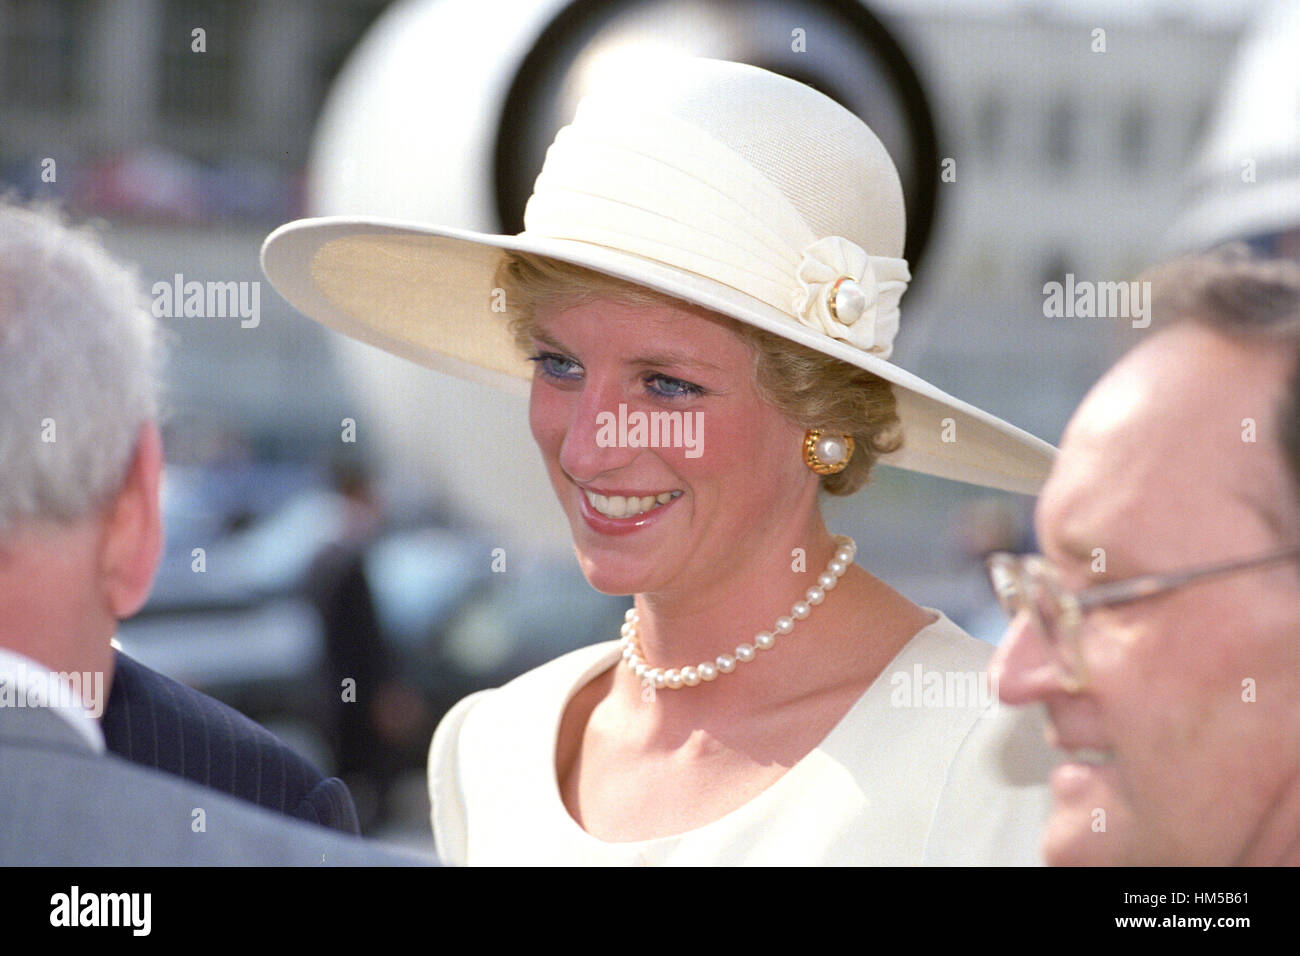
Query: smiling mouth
x,y
619,506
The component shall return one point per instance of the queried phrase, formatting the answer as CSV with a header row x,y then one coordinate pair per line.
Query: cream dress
x,y
925,768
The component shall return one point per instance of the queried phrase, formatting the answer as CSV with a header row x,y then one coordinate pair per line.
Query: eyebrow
x,y
651,360
667,359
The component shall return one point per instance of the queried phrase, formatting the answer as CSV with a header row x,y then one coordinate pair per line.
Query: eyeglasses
x,y
1031,583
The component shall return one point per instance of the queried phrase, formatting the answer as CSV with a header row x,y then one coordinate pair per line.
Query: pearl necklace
x,y
674,678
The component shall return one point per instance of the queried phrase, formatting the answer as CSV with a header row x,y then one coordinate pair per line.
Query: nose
x,y
595,439
1024,667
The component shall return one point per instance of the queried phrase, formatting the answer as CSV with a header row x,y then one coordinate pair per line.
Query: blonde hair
x,y
811,389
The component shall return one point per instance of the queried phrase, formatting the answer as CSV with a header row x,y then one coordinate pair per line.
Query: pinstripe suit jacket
x,y
155,721
62,804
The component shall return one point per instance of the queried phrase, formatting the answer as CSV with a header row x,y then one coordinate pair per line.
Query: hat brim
x,y
425,293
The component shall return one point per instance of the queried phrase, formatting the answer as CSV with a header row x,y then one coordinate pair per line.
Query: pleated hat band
x,y
629,176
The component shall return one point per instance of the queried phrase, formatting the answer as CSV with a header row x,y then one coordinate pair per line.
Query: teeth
x,y
617,506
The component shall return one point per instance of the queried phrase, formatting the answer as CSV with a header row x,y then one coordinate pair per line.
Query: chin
x,y
611,574
633,564
613,585
1072,837
1071,841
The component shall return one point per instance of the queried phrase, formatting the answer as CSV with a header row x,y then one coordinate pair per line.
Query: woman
x,y
706,294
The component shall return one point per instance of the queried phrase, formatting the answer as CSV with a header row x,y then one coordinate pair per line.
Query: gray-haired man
x,y
80,540
1162,630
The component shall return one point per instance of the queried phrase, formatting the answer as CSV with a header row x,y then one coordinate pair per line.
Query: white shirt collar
x,y
25,683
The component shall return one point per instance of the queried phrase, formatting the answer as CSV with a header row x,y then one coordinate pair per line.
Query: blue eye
x,y
554,366
561,368
667,387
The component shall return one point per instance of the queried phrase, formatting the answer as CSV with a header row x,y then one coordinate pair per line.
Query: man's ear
x,y
133,535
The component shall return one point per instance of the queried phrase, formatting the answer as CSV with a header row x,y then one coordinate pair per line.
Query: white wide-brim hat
x,y
717,183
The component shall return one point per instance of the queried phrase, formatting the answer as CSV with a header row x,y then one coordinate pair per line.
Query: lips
x,y
1081,769
597,509
1080,751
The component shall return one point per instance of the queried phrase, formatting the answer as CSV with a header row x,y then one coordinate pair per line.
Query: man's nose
x,y
1024,666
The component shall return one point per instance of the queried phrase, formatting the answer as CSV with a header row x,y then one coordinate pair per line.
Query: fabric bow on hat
x,y
850,295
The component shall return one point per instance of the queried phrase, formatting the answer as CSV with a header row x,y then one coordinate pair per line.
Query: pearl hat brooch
x,y
717,183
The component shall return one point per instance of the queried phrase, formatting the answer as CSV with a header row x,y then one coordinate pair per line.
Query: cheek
x,y
759,455
1191,741
1144,683
548,417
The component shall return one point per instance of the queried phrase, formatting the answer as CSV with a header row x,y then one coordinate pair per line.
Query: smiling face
x,y
1192,694
688,515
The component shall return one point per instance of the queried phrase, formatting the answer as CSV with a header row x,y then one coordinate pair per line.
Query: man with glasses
x,y
1161,627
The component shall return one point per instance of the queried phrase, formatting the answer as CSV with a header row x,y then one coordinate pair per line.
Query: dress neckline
x,y
611,658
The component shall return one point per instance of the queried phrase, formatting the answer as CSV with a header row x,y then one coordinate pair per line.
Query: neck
x,y
744,599
49,606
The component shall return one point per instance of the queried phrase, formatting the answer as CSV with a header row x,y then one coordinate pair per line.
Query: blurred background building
x,y
1036,139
